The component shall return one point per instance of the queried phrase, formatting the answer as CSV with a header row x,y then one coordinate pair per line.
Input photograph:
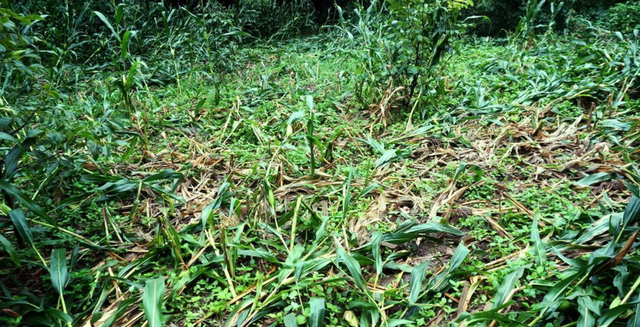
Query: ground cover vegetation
x,y
309,163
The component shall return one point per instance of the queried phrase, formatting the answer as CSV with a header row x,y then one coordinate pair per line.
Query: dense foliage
x,y
500,17
295,162
623,17
405,41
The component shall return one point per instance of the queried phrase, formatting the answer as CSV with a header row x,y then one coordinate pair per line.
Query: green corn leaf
x,y
46,181
309,100
61,316
346,201
461,168
242,317
633,188
597,228
259,253
321,232
7,137
434,228
415,283
573,262
128,83
152,301
375,249
441,281
635,321
58,270
487,316
592,305
399,322
294,117
124,47
386,158
269,193
375,316
165,175
317,312
310,139
106,22
307,267
294,255
556,291
404,235
594,178
458,257
377,146
631,212
615,124
611,315
507,287
8,247
20,223
11,161
354,269
366,191
120,311
586,318
290,320
119,13
222,195
196,110
26,201
75,255
234,315
4,209
538,246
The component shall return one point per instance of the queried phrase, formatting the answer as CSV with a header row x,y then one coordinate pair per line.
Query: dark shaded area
x,y
503,16
499,17
323,10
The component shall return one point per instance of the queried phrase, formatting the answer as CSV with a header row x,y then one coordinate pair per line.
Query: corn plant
x,y
402,52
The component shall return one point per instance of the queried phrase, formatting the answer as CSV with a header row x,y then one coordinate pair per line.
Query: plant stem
x,y
631,291
64,308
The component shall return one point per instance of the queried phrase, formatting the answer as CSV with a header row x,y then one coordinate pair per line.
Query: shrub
x,y
19,61
398,44
623,17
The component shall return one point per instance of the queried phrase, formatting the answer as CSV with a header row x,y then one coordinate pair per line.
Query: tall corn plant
x,y
526,24
525,30
399,43
427,29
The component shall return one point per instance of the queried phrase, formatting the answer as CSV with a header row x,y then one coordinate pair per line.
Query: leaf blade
x,y
58,270
20,223
152,301
507,287
8,247
538,246
415,283
106,22
317,309
26,201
